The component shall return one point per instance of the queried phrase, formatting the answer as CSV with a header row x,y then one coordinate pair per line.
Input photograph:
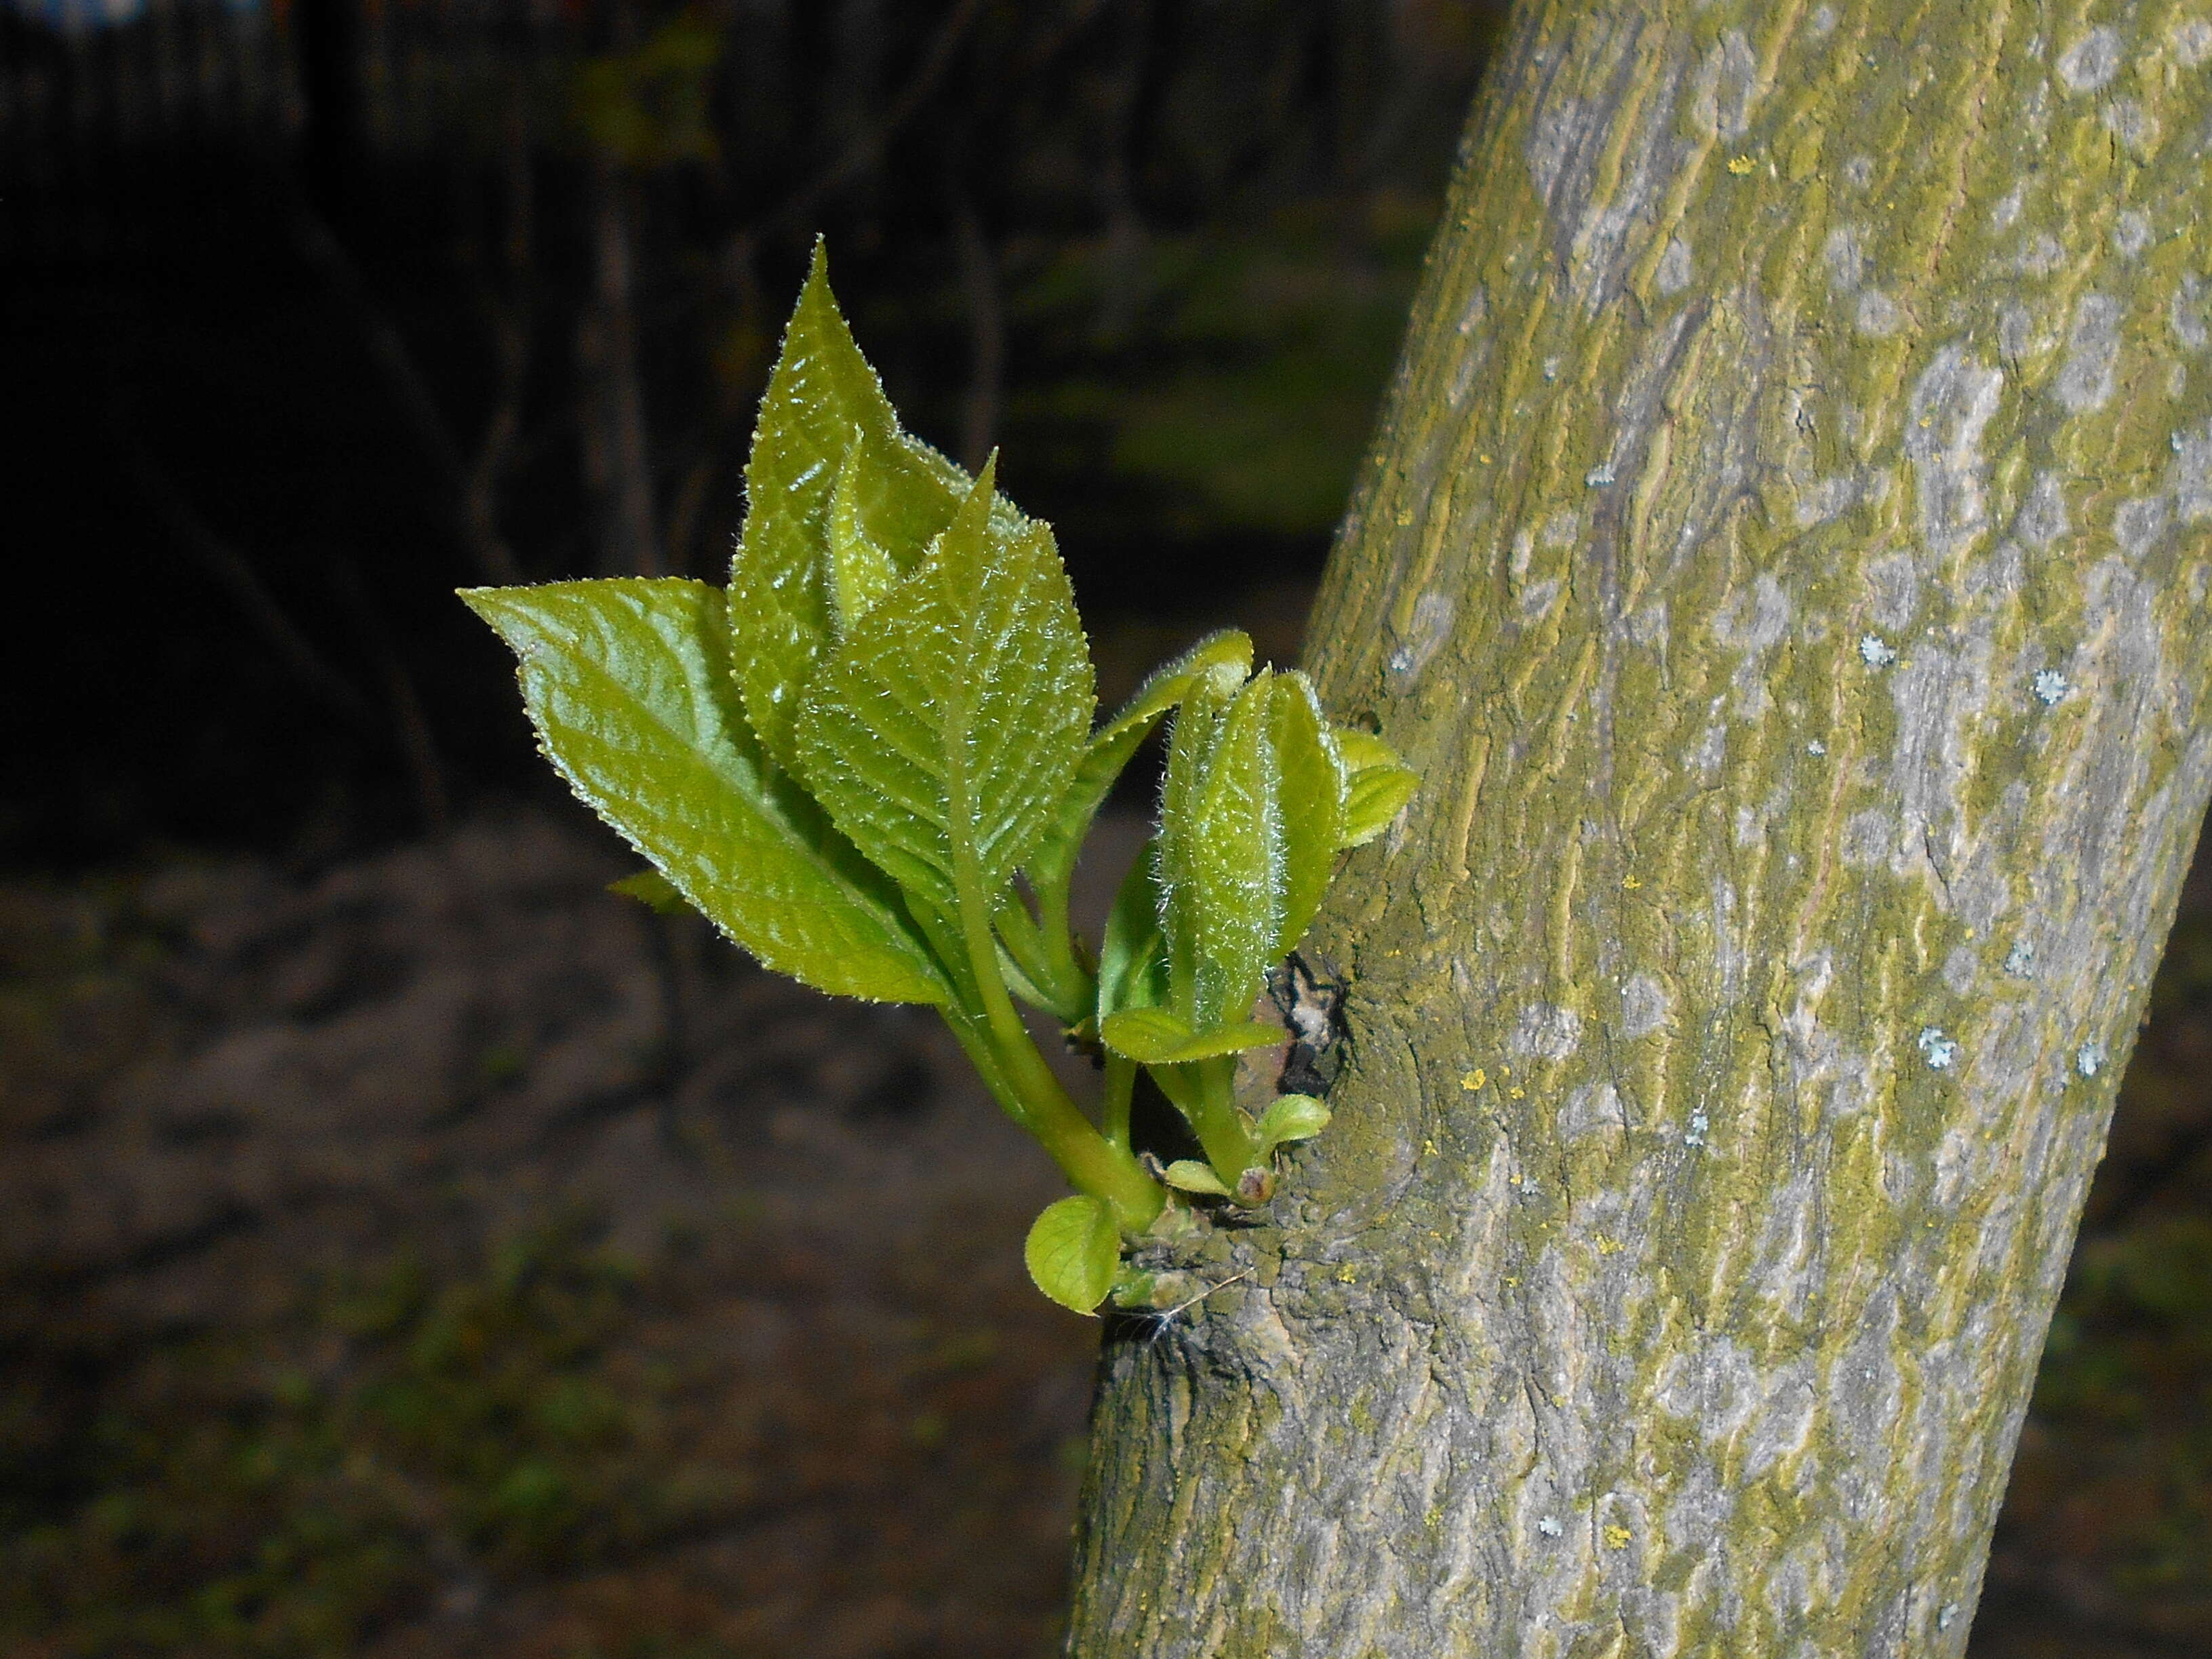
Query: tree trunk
x,y
1784,556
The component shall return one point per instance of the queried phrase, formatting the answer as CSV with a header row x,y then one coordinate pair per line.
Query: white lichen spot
x,y
1549,1526
1524,548
1816,748
1695,1134
1431,624
1643,1007
2050,688
1951,406
1893,589
2192,39
1823,23
2093,354
2138,524
2131,123
1711,750
2043,254
1545,1030
2015,330
1537,597
1598,477
1938,1050
2020,960
1846,258
1648,627
1960,969
1550,368
2188,479
1728,85
2089,1059
1874,652
1946,1615
1878,315
1825,499
1674,273
2006,214
2043,517
1551,139
1561,529
2131,234
2090,63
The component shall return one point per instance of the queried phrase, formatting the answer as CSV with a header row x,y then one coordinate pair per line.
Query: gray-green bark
x,y
1785,555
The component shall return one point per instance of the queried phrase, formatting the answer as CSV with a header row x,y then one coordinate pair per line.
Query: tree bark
x,y
1784,556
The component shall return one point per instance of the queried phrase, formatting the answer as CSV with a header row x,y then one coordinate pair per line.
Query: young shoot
x,y
871,761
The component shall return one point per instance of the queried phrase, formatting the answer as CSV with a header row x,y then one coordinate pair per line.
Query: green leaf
x,y
1072,1251
1132,958
1376,796
654,890
1188,1175
861,569
1377,784
1154,1036
1310,782
1112,743
1362,750
821,393
944,729
627,684
1221,840
1291,1117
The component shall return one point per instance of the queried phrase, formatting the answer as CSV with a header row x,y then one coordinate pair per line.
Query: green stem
x,y
1093,1163
1060,942
1114,1102
1204,1091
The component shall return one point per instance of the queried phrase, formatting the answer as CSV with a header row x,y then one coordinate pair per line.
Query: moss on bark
x,y
1784,555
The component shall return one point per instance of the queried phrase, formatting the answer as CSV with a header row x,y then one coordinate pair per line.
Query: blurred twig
x,y
410,728
234,574
867,148
493,559
986,326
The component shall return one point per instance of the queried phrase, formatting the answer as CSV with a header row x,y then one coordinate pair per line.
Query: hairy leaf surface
x,y
1114,742
1309,784
627,684
1132,955
946,725
1154,1036
821,392
1221,853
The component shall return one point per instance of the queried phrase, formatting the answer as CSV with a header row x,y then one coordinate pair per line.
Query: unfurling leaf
x,y
1132,957
944,728
1073,1252
1154,1036
1309,780
820,395
1188,1175
654,890
627,684
1291,1117
1114,742
1379,784
1375,798
1220,850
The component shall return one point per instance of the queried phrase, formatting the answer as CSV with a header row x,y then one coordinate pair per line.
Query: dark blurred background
x,y
410,1249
